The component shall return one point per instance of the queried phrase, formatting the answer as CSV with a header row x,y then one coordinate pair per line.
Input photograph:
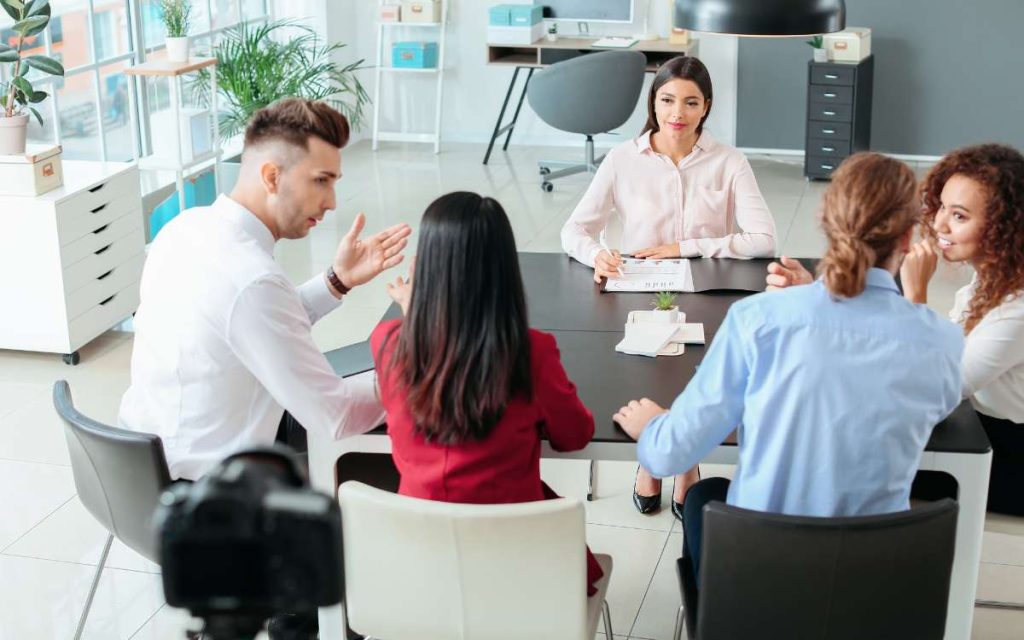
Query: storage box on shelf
x,y
34,172
421,11
838,114
72,258
414,55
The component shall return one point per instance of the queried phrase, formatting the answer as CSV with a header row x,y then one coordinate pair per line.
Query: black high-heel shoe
x,y
645,504
677,507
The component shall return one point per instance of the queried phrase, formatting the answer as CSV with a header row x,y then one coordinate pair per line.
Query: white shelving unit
x,y
385,39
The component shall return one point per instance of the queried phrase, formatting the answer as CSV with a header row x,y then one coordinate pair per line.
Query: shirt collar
x,y
881,278
245,220
705,142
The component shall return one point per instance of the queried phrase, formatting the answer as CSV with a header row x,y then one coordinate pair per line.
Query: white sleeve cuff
x,y
317,298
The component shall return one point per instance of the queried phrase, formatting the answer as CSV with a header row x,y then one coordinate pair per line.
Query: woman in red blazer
x,y
469,388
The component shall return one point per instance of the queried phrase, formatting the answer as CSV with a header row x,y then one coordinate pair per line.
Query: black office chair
x,y
119,476
588,95
773,576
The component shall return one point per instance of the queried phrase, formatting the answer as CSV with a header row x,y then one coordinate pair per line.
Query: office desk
x,y
543,53
563,299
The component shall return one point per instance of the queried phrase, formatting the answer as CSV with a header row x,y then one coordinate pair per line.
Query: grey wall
x,y
947,73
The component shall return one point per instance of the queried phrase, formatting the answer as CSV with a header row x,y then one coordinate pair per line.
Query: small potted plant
x,y
818,45
17,95
177,16
552,32
664,308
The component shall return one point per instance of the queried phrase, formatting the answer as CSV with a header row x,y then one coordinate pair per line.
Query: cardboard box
x,y
852,44
32,173
679,37
390,12
500,15
421,11
414,55
525,15
515,35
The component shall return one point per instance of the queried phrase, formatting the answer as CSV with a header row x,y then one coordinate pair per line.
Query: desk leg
x,y
498,129
971,473
519,107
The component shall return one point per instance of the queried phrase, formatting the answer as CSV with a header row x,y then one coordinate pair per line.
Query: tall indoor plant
x,y
17,95
177,17
260,63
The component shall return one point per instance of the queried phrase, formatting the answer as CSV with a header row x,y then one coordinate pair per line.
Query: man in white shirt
x,y
222,337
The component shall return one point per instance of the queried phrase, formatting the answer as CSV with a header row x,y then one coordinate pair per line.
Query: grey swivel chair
x,y
119,476
591,94
774,576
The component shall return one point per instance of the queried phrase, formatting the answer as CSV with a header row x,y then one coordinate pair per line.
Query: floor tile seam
x,y
1004,564
647,590
49,464
39,522
626,526
796,213
147,621
93,565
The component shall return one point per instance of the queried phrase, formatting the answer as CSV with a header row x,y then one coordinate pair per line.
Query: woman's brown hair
x,y
463,352
679,68
999,169
869,206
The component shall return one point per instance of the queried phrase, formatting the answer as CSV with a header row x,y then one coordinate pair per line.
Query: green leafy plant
x,y
816,42
177,17
17,94
664,301
258,64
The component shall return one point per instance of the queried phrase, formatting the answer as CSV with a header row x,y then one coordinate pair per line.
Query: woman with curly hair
x,y
974,214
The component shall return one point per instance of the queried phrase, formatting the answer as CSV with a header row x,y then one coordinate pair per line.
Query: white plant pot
x,y
13,132
667,316
821,55
177,49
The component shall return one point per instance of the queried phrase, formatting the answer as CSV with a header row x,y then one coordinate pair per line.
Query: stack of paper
x,y
614,42
652,275
645,339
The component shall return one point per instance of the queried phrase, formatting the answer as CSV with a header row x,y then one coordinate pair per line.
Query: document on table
x,y
613,42
646,339
653,275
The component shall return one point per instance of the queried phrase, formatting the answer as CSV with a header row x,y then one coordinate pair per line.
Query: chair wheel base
x,y
545,171
547,187
71,358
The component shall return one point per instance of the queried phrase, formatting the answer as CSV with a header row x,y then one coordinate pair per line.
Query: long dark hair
x,y
679,68
464,349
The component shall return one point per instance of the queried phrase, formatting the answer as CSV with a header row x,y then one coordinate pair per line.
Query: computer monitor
x,y
588,10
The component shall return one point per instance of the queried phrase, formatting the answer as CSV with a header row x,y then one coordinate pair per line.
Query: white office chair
x,y
423,570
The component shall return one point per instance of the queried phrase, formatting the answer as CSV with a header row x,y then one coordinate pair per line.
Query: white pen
x,y
610,253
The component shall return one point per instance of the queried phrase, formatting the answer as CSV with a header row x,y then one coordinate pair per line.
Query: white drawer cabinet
x,y
71,259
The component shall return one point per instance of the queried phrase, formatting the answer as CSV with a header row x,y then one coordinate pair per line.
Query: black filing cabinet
x,y
838,113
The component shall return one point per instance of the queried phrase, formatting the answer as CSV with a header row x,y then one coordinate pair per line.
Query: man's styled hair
x,y
294,121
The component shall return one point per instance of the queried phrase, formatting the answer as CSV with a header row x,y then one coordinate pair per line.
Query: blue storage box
x,y
525,15
500,15
414,55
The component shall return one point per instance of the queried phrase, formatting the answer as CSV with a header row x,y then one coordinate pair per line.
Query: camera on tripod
x,y
248,541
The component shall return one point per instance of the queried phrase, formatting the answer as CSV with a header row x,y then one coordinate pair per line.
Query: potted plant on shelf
x,y
177,15
818,45
260,63
17,95
664,308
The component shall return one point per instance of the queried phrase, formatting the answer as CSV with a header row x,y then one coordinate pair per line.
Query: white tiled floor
x,y
49,544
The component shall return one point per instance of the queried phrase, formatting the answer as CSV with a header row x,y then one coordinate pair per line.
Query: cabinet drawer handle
x,y
828,131
827,167
105,275
829,113
828,149
830,95
108,299
831,76
97,187
103,249
99,208
101,229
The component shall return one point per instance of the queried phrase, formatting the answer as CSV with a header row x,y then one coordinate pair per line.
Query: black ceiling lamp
x,y
762,17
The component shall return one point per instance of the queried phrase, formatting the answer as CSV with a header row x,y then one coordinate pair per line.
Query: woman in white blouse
x,y
678,193
974,211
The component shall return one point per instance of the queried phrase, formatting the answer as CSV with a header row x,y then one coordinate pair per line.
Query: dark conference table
x,y
562,298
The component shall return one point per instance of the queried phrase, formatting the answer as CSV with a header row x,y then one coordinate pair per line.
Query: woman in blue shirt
x,y
835,386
